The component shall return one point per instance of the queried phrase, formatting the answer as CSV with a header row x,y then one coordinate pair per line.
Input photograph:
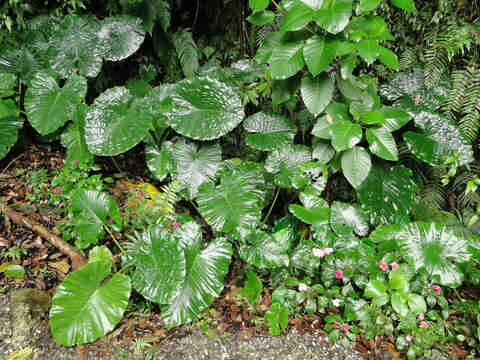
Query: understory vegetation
x,y
326,151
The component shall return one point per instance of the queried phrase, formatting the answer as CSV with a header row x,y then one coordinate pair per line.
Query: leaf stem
x,y
114,239
271,208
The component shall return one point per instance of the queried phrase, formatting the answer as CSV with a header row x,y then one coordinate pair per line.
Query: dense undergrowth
x,y
344,177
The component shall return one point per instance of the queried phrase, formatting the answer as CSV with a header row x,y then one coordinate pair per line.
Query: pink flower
x,y
75,162
141,194
317,252
437,289
328,251
409,338
383,266
346,328
175,224
56,190
335,324
394,265
339,274
421,317
423,325
302,287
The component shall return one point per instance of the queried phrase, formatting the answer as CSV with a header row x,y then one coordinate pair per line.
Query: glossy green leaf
x,y
388,195
356,164
231,207
395,118
12,270
311,175
369,50
345,135
265,250
7,83
269,131
262,17
100,253
314,4
264,52
335,17
87,306
373,117
297,17
323,152
319,52
435,248
9,126
382,144
20,61
160,159
285,90
287,59
48,106
195,163
399,304
73,138
317,93
398,280
367,5
389,58
407,5
116,122
345,219
92,209
204,109
285,161
417,304
252,290
120,36
203,281
75,46
375,288
335,112
258,5
315,210
160,265
277,319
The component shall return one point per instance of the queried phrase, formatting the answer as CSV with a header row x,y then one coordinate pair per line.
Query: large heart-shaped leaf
x,y
297,17
287,58
20,61
202,283
441,139
120,36
116,122
195,163
270,131
160,265
266,250
387,196
48,106
204,109
435,248
9,126
73,138
75,46
356,164
7,83
317,93
315,210
87,306
92,209
231,207
335,16
345,219
382,144
319,52
285,161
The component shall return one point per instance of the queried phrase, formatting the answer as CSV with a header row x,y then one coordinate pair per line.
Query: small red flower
x,y
175,224
141,194
75,162
56,190
346,328
339,274
437,289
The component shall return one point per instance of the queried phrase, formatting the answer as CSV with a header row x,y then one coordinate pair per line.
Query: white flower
x,y
328,251
318,252
336,302
302,287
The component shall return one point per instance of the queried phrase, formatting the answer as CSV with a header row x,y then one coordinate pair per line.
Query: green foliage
x,y
277,319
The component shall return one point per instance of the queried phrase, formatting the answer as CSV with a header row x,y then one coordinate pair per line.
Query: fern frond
x,y
407,59
165,202
186,49
436,63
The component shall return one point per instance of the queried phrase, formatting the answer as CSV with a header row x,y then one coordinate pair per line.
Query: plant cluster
x,y
294,162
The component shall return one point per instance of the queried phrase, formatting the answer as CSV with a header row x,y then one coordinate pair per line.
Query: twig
x,y
77,259
10,163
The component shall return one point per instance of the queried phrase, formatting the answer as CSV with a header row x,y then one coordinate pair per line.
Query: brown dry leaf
x,y
298,324
393,351
55,256
456,351
63,266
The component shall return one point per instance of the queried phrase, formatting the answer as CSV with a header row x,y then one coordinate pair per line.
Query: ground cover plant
x,y
340,181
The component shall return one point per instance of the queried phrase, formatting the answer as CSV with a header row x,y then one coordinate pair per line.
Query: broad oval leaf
x,y
195,163
116,122
266,251
395,118
231,207
367,5
262,17
323,152
120,36
315,210
48,106
258,5
335,17
382,144
388,196
297,17
160,265
356,164
345,219
317,93
202,283
270,131
369,50
204,109
408,5
435,248
286,59
345,135
86,306
285,161
319,52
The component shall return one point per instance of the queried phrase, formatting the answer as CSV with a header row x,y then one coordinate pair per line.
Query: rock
x,y
26,308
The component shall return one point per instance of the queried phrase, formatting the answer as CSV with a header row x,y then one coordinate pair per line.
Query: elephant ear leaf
x,y
75,46
435,248
204,109
7,83
92,209
120,36
266,250
284,162
9,127
73,138
203,281
49,106
116,122
268,131
87,306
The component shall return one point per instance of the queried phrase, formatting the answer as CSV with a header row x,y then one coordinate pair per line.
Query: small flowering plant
x,y
339,329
